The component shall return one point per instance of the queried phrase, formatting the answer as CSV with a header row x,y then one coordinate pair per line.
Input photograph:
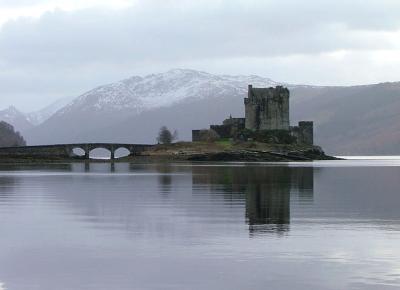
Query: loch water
x,y
313,225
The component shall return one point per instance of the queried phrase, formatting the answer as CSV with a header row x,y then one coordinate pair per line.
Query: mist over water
x,y
320,225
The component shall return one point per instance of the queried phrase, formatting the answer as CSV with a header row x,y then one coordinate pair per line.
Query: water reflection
x,y
165,177
266,192
127,195
267,209
7,186
201,226
262,196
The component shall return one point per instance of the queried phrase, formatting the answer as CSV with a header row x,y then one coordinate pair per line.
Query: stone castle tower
x,y
267,109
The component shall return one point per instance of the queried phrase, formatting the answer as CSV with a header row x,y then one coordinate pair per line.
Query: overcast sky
x,y
58,48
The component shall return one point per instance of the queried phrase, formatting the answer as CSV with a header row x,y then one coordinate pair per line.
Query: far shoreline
x,y
220,151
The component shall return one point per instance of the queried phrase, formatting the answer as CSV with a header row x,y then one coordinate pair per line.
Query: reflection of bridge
x,y
66,150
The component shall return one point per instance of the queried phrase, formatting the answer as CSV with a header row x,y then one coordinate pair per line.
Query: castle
x,y
266,110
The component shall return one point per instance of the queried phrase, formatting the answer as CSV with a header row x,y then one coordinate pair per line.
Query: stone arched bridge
x,y
66,150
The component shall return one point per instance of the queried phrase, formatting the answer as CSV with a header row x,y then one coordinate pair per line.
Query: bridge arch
x,y
88,148
100,152
78,151
122,151
66,150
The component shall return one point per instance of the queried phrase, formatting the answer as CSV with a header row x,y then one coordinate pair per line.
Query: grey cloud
x,y
60,46
18,3
161,32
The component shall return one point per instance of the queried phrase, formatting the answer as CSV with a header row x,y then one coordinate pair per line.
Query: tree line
x,y
9,137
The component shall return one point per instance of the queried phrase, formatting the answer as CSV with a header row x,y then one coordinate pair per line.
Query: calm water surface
x,y
323,225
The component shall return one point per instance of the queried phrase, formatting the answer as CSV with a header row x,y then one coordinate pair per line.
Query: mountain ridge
x,y
133,109
158,89
18,119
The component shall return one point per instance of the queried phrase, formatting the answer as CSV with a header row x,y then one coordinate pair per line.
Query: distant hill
x,y
8,137
348,120
15,117
352,120
38,117
23,122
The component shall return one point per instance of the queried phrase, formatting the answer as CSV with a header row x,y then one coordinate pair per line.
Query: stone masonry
x,y
66,150
267,108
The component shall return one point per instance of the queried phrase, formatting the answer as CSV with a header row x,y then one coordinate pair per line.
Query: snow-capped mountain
x,y
15,117
90,115
138,94
42,115
23,122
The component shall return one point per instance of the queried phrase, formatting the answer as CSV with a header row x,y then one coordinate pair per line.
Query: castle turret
x,y
306,130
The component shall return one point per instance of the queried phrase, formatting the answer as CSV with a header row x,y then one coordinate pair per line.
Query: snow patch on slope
x,y
138,94
42,115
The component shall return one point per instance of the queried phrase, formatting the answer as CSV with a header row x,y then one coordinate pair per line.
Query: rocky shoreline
x,y
192,152
258,156
243,152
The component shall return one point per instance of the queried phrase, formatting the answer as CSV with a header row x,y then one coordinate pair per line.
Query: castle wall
x,y
196,135
304,132
277,116
252,111
267,109
237,122
224,131
229,127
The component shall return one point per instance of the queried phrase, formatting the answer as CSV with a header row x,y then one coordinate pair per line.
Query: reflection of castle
x,y
266,109
266,191
268,207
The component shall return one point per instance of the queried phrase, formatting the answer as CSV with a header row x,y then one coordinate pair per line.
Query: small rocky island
x,y
251,151
264,134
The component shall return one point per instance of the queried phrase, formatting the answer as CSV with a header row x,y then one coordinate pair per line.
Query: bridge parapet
x,y
66,150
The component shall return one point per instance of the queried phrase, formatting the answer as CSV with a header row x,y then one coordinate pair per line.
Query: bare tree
x,y
175,135
164,136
